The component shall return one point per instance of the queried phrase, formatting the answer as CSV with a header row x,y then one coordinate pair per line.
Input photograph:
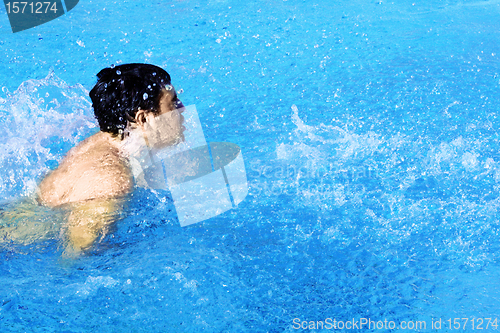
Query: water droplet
x,y
154,73
145,96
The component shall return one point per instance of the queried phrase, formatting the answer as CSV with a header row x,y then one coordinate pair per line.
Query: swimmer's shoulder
x,y
94,169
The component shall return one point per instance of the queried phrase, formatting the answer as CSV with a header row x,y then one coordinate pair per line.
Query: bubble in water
x,y
154,73
168,87
112,65
145,96
118,72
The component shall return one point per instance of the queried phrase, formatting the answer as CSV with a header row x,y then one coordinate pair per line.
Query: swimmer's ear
x,y
140,117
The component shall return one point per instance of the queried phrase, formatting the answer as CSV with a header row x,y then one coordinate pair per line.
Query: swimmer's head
x,y
122,91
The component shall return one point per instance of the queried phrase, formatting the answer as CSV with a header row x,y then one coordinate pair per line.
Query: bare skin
x,y
95,169
90,177
96,173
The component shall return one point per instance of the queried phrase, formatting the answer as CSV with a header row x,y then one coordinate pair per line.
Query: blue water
x,y
369,133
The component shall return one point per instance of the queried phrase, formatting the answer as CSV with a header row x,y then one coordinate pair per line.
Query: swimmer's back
x,y
92,170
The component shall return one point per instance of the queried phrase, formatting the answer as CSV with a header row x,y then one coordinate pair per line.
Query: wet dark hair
x,y
122,90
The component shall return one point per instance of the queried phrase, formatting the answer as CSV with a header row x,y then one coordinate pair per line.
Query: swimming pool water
x,y
369,132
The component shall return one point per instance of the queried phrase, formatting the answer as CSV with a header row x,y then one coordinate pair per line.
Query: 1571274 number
x,y
473,323
31,7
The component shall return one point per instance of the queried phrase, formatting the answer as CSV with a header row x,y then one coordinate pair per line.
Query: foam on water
x,y
400,186
40,122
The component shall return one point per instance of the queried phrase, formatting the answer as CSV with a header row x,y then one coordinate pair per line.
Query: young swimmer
x,y
130,101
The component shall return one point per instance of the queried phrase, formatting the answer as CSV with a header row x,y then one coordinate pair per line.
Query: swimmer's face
x,y
165,127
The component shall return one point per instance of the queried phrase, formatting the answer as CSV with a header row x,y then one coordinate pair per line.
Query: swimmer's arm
x,y
89,220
